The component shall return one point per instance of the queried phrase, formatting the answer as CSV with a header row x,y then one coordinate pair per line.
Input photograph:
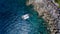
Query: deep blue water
x,y
12,23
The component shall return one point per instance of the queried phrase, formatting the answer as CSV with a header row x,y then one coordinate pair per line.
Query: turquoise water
x,y
11,21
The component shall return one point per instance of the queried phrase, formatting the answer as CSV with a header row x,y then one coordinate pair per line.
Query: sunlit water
x,y
11,21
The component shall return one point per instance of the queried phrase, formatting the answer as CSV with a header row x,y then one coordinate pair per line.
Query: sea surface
x,y
11,21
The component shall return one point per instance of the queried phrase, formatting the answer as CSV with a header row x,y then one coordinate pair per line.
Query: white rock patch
x,y
38,1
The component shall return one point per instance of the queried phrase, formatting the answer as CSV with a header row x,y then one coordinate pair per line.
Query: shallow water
x,y
11,21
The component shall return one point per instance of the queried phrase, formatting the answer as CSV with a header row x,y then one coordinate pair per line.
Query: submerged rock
x,y
48,10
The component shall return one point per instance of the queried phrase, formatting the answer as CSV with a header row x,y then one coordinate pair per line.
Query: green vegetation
x,y
58,1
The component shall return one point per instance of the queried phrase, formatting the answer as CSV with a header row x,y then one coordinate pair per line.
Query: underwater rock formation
x,y
48,10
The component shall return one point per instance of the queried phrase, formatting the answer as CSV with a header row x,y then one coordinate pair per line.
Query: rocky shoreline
x,y
48,11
